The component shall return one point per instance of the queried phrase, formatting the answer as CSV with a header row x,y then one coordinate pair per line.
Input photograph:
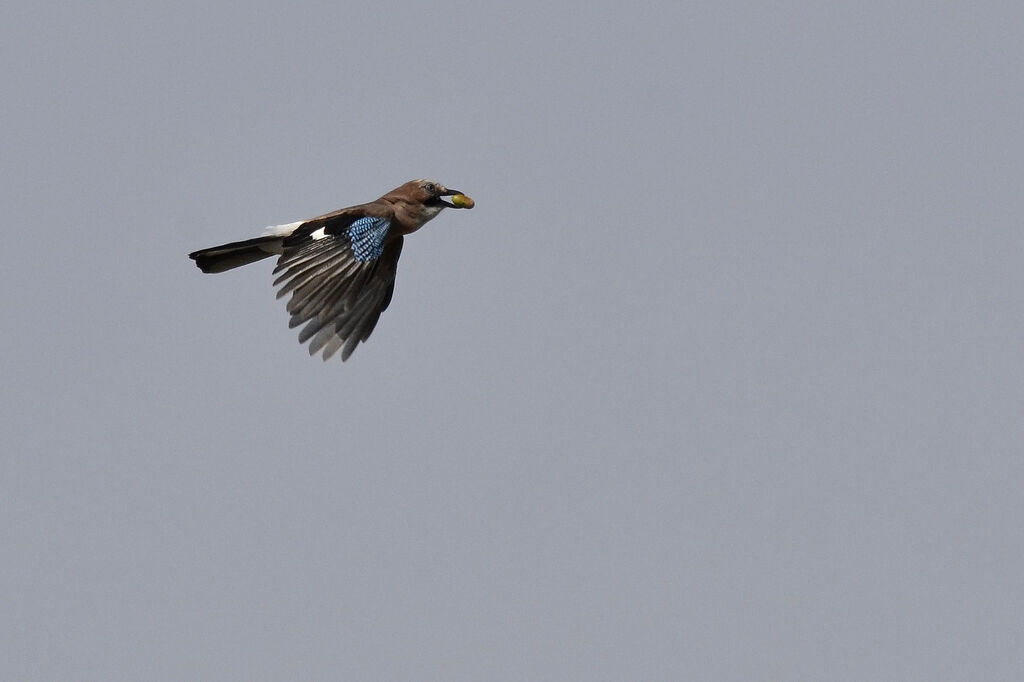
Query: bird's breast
x,y
411,220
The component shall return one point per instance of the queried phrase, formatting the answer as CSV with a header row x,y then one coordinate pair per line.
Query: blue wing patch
x,y
367,237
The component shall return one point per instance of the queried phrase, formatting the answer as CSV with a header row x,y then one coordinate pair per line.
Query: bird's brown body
x,y
339,267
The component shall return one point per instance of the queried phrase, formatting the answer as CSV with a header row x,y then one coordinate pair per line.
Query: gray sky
x,y
720,380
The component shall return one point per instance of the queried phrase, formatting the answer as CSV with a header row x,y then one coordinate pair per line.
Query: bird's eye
x,y
430,188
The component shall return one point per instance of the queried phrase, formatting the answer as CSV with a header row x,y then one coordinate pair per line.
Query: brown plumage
x,y
340,267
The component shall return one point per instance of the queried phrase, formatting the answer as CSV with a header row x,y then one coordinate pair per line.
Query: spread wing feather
x,y
339,283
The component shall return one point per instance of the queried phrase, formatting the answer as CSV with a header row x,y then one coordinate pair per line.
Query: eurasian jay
x,y
339,267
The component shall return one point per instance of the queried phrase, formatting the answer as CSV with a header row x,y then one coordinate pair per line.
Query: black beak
x,y
462,201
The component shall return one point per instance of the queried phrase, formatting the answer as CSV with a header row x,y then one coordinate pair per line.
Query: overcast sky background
x,y
722,379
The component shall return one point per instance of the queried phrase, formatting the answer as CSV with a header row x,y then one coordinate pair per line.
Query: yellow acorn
x,y
462,201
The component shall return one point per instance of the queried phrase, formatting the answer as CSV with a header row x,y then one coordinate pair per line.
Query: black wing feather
x,y
336,297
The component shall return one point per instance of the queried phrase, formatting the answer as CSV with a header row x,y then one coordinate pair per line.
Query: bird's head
x,y
418,201
431,196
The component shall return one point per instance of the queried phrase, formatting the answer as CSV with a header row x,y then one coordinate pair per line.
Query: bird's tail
x,y
235,254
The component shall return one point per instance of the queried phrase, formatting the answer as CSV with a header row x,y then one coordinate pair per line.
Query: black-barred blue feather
x,y
367,236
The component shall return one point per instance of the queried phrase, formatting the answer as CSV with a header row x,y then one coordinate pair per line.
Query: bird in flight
x,y
339,267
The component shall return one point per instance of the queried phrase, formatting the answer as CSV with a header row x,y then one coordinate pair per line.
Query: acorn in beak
x,y
458,199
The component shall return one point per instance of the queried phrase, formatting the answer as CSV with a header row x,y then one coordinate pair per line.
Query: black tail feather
x,y
235,254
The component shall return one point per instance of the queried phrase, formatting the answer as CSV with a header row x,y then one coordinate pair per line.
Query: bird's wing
x,y
340,271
